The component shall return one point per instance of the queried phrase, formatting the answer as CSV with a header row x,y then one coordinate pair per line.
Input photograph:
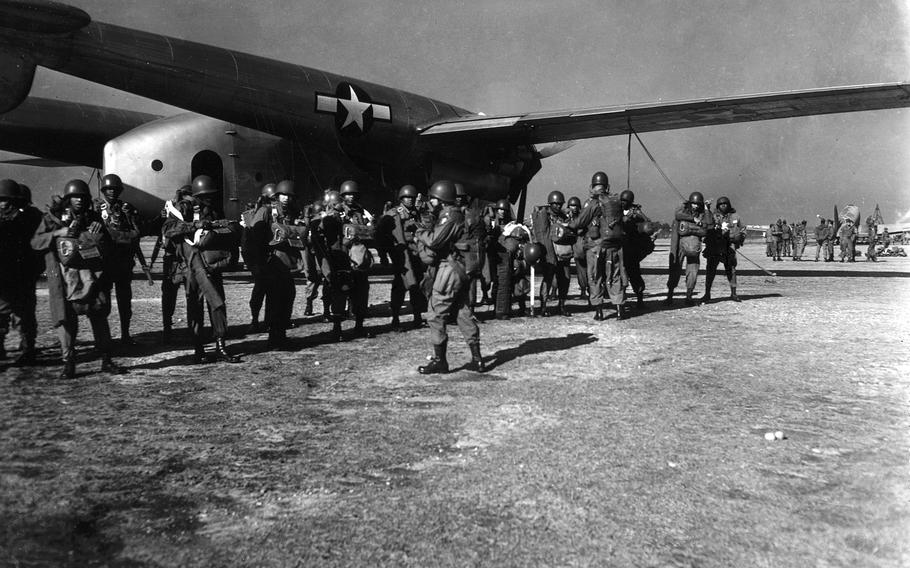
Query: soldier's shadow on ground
x,y
539,345
679,302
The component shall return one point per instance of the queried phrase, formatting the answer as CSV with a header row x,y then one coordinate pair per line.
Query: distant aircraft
x,y
261,120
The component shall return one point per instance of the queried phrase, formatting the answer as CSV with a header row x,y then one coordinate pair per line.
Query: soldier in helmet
x,y
450,288
551,230
475,240
312,267
578,251
500,260
725,234
638,243
847,238
122,222
252,255
280,239
821,238
32,270
690,225
202,238
601,219
172,276
359,236
397,227
16,256
75,245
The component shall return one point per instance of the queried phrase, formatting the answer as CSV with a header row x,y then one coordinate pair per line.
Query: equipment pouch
x,y
563,252
690,245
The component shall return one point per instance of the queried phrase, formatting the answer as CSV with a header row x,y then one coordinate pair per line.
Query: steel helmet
x,y
76,188
533,253
349,187
285,187
697,198
407,191
332,198
112,181
504,205
556,197
600,178
574,201
25,193
724,200
627,196
460,191
203,185
268,190
443,190
9,189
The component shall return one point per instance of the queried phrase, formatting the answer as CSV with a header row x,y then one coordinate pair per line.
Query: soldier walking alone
x,y
450,296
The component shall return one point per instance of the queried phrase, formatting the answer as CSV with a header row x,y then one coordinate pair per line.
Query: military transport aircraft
x,y
260,120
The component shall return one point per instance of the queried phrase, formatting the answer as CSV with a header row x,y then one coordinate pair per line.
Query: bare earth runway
x,y
632,443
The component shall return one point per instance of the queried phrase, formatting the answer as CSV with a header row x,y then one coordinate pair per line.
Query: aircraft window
x,y
157,165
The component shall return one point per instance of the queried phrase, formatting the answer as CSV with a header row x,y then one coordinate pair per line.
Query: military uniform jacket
x,y
588,222
544,220
122,223
725,234
446,235
397,228
181,232
45,241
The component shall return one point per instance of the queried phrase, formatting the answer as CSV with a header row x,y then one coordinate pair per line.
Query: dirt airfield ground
x,y
627,443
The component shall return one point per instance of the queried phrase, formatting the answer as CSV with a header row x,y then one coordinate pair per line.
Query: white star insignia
x,y
355,110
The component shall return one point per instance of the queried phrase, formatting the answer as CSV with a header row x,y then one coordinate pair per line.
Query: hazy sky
x,y
510,56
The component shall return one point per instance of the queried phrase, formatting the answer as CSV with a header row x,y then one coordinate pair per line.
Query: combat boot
x,y
620,314
418,320
254,327
359,330
689,300
167,334
599,313
707,297
561,309
640,298
108,366
221,353
309,308
733,295
69,369
396,324
199,355
438,364
125,337
337,336
476,363
27,358
669,300
543,307
522,308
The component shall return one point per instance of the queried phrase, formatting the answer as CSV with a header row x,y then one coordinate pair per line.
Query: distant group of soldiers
x,y
444,248
786,240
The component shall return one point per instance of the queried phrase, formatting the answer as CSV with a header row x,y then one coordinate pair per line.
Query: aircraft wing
x,y
64,131
543,127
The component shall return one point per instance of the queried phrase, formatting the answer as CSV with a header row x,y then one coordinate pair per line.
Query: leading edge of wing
x,y
538,127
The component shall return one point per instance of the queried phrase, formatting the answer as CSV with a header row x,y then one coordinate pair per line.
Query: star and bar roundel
x,y
354,110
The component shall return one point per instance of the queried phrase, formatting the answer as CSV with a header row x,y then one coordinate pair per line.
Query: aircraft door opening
x,y
209,163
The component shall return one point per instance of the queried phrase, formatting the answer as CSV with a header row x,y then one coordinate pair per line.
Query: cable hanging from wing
x,y
670,183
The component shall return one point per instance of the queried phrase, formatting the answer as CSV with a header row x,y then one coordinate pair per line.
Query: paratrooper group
x,y
444,249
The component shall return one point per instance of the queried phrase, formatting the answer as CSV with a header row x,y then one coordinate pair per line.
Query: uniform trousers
x,y
204,289
558,272
728,258
676,269
280,292
613,273
169,291
595,277
448,302
819,247
97,317
400,289
581,266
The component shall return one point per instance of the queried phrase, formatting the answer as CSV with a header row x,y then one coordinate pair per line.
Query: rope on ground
x,y
756,265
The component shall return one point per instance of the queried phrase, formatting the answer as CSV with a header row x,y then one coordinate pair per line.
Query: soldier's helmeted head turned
x,y
723,204
10,193
111,186
600,184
